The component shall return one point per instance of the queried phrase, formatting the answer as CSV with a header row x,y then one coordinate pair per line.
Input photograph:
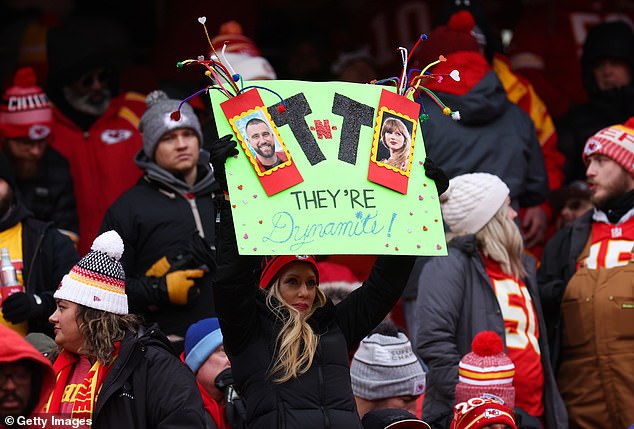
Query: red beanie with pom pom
x,y
456,35
615,142
486,370
24,109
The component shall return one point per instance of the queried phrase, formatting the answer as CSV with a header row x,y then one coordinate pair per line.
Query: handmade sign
x,y
329,134
327,168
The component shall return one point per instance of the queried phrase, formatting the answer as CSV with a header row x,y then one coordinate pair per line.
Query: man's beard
x,y
611,191
83,103
260,152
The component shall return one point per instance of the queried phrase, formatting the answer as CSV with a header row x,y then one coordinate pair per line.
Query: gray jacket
x,y
456,301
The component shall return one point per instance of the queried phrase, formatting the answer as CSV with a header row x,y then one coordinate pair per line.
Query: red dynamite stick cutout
x,y
393,143
249,105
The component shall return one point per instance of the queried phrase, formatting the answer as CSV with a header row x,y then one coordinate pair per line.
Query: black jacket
x,y
149,387
493,136
47,256
156,218
612,40
322,397
558,265
49,195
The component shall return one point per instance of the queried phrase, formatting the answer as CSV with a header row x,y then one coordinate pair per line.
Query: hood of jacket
x,y
14,348
479,95
613,40
204,179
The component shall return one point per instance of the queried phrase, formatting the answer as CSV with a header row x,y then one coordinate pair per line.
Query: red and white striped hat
x,y
24,109
616,142
486,370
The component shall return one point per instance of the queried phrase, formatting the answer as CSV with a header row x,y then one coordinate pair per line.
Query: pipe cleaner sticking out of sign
x,y
330,167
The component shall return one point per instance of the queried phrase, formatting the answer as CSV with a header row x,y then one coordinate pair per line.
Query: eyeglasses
x,y
101,75
20,376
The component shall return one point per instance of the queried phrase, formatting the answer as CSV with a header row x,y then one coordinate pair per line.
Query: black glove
x,y
21,306
220,150
436,174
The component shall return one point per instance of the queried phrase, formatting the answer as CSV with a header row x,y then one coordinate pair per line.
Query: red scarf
x,y
86,397
214,409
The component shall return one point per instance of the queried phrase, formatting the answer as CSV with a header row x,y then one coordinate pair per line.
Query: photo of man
x,y
262,140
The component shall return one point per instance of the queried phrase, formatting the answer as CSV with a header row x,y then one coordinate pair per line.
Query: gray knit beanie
x,y
384,367
158,120
471,201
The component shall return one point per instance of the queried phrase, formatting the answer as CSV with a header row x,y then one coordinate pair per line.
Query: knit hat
x,y
481,412
385,366
392,418
201,340
336,280
471,201
459,34
486,370
42,342
615,142
164,115
25,110
274,266
98,279
241,53
6,171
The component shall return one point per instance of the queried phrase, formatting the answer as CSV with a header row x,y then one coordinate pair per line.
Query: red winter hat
x,y
457,35
241,53
25,110
486,370
276,264
477,413
615,142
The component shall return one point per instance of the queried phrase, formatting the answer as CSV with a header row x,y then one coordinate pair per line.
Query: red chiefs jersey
x,y
101,160
611,245
522,335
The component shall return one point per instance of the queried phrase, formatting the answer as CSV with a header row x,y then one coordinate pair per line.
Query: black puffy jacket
x,y
322,397
149,387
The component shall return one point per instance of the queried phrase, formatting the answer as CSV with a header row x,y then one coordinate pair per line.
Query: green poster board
x,y
335,208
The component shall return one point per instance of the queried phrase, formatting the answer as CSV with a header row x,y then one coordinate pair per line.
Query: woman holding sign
x,y
288,344
396,138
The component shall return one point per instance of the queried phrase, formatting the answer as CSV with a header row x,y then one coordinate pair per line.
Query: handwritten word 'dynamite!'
x,y
326,198
286,230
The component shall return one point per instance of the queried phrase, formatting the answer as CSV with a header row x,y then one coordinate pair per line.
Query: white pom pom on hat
x,y
109,243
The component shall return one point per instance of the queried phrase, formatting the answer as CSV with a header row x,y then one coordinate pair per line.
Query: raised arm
x,y
367,306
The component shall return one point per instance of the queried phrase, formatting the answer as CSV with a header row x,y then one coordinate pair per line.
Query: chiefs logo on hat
x,y
39,132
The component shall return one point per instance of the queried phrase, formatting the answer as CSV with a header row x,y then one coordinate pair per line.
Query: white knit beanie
x,y
98,279
471,201
384,367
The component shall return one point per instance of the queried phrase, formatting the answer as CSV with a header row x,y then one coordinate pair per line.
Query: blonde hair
x,y
500,240
296,342
399,157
